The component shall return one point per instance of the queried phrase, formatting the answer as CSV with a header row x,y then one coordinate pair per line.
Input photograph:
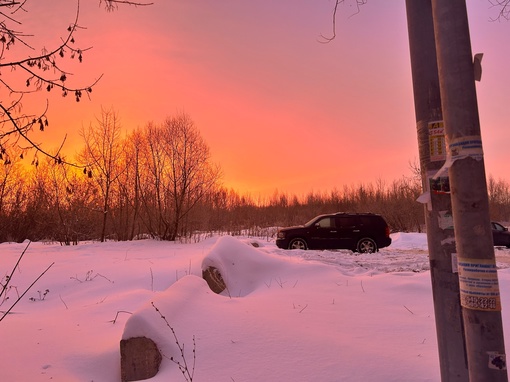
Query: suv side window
x,y
498,227
346,221
325,223
367,221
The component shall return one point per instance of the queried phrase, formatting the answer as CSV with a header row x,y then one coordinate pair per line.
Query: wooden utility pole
x,y
478,278
438,209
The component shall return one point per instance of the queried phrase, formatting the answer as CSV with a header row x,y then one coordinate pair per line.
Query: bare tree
x,y
191,174
103,151
153,183
129,185
178,161
10,187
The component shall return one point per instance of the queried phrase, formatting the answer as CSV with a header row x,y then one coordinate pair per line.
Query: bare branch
x,y
504,12
22,131
9,4
111,5
43,71
25,292
326,39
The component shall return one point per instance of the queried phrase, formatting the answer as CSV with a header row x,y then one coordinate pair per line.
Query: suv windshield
x,y
309,223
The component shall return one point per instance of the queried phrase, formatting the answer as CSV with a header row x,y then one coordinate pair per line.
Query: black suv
x,y
359,232
500,235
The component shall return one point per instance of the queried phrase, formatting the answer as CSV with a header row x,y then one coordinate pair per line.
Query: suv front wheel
x,y
366,245
298,244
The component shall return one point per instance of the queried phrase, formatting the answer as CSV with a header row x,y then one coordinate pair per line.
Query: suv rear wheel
x,y
366,245
298,244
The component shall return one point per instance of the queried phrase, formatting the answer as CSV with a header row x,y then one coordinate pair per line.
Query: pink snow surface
x,y
286,315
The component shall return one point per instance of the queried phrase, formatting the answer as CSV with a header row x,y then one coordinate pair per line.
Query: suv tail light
x,y
387,230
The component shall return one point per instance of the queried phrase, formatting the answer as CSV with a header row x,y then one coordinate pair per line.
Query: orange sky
x,y
279,110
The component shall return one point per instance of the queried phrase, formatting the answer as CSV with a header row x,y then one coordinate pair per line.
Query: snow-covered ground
x,y
285,316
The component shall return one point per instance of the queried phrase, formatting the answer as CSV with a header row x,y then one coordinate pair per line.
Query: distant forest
x,y
159,182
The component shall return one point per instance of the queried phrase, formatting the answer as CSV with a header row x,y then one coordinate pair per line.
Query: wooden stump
x,y
139,359
214,280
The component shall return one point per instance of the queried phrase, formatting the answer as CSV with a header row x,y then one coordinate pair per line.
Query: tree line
x,y
159,181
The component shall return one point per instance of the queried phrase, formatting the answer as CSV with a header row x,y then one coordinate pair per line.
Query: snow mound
x,y
409,240
147,322
242,267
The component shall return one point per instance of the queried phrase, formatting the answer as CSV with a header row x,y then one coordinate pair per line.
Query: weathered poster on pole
x,y
437,145
478,281
440,185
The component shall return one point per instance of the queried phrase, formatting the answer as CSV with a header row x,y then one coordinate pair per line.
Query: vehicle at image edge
x,y
359,232
500,235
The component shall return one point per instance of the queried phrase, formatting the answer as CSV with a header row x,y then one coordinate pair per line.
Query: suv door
x,y
500,234
323,233
348,231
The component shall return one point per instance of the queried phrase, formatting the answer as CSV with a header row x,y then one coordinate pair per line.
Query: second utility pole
x,y
478,278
